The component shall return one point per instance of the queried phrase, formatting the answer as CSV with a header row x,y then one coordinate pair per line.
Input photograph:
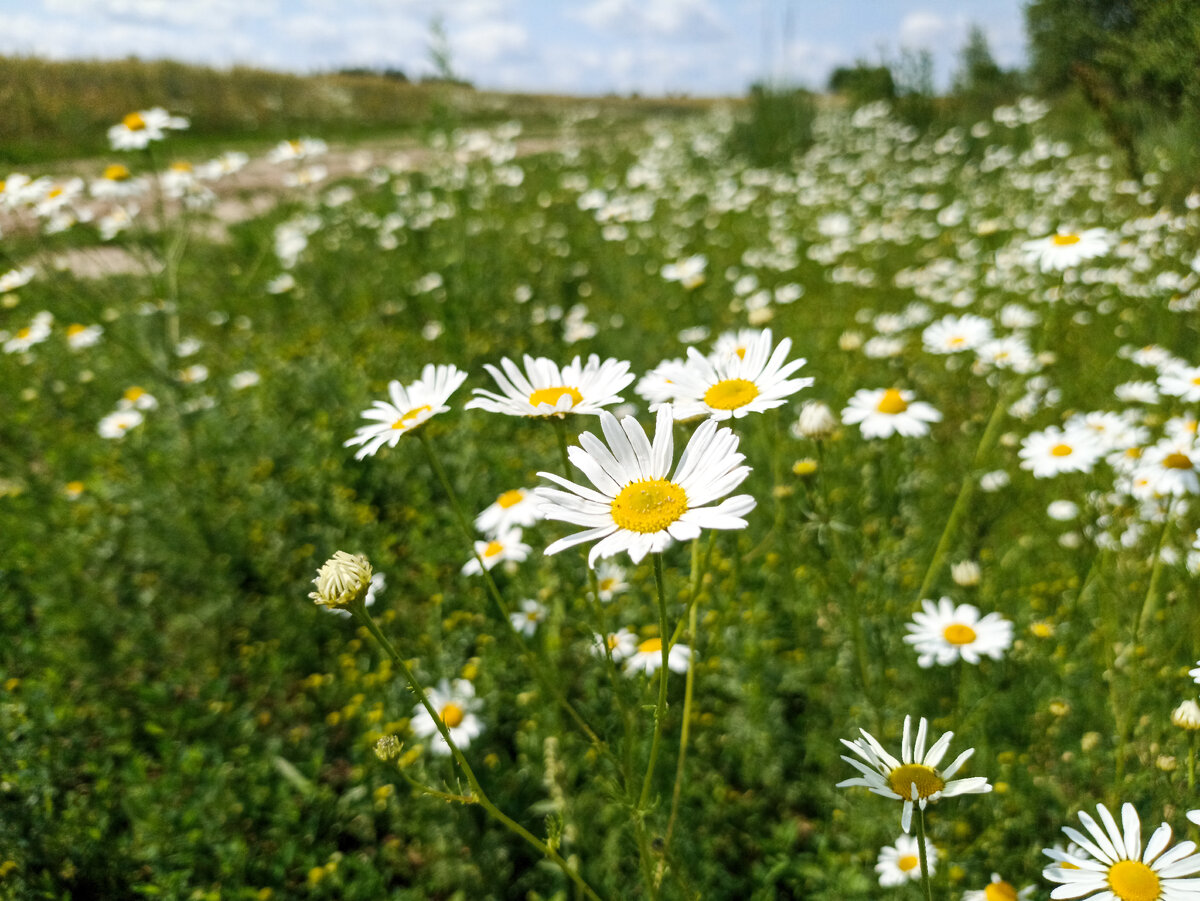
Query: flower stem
x,y
1150,601
689,688
661,709
360,613
925,882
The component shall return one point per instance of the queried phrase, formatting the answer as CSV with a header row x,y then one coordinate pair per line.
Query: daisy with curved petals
x,y
943,633
647,658
1112,864
638,505
1053,450
883,412
544,389
998,890
727,385
409,407
1063,250
456,705
516,507
914,778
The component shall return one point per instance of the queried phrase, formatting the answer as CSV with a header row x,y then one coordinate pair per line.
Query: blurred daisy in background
x,y
499,549
1180,381
517,507
610,580
943,633
620,644
952,334
727,385
901,863
527,618
998,890
455,705
544,389
409,407
883,412
689,271
647,658
1195,672
1053,451
1066,249
1169,467
136,130
117,423
636,506
1112,864
914,778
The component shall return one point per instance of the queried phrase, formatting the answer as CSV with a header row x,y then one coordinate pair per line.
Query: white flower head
x,y
999,890
647,658
544,389
517,507
901,863
526,619
455,705
952,334
883,412
620,644
914,778
117,423
1066,249
1053,451
943,633
638,505
409,408
503,547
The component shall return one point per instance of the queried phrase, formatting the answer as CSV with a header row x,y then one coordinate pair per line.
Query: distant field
x,y
54,110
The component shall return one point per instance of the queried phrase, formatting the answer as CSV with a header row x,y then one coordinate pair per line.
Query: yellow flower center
x,y
132,394
649,505
533,616
958,634
729,394
891,402
452,715
1000,891
1177,461
510,498
613,642
181,166
492,549
116,172
926,778
403,421
1062,450
54,192
957,341
551,396
1196,380
1132,880
134,121
75,487
607,584
75,329
650,646
24,333
741,352
1065,240
908,862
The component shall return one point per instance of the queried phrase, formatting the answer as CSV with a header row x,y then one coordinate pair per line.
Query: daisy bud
x,y
343,580
816,421
387,747
966,573
1187,715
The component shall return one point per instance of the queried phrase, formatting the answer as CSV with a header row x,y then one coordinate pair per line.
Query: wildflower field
x,y
680,529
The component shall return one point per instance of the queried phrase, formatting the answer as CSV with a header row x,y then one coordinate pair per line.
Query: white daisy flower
x,y
503,547
952,334
517,507
883,412
727,385
1182,428
1112,863
546,390
1194,816
735,342
527,618
16,278
689,271
1168,468
998,890
1195,673
661,384
942,633
1182,382
1011,352
300,149
247,378
914,778
1053,450
635,506
647,658
1187,715
1066,249
410,407
1062,510
136,130
117,423
621,644
455,705
1116,431
1137,392
137,398
901,863
35,333
610,580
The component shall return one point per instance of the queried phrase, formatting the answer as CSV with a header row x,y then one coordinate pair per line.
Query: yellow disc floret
x,y
1000,891
925,778
492,549
552,395
729,394
649,505
891,402
1177,461
1062,450
134,121
908,862
650,646
510,498
1065,240
1132,880
452,715
406,420
116,172
958,634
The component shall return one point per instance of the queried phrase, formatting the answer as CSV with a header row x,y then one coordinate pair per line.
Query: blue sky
x,y
571,46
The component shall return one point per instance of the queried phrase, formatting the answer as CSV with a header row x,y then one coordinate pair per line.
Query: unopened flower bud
x,y
816,421
343,580
387,747
1187,715
966,573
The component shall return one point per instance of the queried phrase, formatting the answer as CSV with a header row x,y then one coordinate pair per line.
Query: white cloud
x,y
661,18
922,28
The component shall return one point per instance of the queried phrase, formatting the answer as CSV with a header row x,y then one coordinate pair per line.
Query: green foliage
x,y
775,126
863,83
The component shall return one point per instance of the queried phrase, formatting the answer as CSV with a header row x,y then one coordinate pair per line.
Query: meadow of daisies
x,y
600,519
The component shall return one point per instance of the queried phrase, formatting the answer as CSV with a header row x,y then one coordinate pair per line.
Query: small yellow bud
x,y
804,468
387,747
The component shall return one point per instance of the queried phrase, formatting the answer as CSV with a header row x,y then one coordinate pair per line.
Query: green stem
x,y
990,434
689,687
1150,601
925,881
360,613
1192,763
660,709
